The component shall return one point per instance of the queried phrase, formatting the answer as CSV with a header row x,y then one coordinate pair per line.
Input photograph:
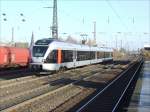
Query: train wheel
x,y
62,69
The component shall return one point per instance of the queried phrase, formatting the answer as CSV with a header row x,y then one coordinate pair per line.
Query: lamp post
x,y
12,29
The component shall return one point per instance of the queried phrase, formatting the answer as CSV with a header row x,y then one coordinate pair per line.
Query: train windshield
x,y
39,51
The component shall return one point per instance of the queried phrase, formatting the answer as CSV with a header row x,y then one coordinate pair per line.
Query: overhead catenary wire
x,y
119,18
117,15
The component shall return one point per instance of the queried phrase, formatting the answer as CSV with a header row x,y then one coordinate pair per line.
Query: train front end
x,y
38,52
37,57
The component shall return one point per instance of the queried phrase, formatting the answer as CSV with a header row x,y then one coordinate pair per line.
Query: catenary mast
x,y
55,22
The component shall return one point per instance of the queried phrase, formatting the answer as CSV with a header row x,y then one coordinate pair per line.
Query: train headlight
x,y
44,60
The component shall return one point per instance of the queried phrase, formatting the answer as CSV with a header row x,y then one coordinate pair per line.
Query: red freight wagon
x,y
4,56
19,56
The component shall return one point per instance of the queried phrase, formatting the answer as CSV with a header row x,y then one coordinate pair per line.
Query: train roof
x,y
55,44
71,46
45,41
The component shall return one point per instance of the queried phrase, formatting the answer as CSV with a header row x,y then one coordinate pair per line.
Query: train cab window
x,y
39,51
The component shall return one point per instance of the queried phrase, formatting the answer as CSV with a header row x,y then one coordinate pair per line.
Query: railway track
x,y
24,78
15,74
15,91
109,98
30,88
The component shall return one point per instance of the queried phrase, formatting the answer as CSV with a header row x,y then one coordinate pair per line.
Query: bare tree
x,y
71,39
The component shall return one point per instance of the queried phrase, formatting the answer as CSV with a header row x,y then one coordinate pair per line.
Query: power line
x,y
117,15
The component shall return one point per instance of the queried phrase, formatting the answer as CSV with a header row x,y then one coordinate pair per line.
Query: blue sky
x,y
77,16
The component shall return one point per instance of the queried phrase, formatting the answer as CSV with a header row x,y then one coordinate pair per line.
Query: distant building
x,y
21,44
5,44
147,47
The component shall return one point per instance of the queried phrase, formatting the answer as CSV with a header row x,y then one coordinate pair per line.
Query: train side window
x,y
92,55
100,55
104,55
97,55
79,55
52,57
107,54
83,55
67,56
112,54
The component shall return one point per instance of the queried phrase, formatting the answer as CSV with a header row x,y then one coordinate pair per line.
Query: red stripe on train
x,y
59,60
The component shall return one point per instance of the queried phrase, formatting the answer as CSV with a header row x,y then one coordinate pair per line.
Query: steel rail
x,y
50,92
115,107
104,89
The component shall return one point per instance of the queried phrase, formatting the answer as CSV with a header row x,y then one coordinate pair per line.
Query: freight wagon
x,y
13,57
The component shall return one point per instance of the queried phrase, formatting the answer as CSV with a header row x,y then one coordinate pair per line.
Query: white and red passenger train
x,y
50,54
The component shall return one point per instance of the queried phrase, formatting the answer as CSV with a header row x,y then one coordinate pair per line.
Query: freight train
x,y
50,55
14,57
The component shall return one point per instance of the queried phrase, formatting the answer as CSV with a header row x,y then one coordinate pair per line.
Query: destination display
x,y
43,42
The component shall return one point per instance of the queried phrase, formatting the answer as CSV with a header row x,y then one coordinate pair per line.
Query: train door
x,y
9,56
74,58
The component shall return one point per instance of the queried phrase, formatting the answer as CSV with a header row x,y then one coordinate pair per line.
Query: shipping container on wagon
x,y
19,56
4,56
